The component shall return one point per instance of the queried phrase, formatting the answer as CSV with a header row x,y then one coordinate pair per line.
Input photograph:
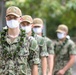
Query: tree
x,y
54,12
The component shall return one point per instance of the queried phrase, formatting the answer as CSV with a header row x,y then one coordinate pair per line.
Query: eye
x,y
9,17
36,26
24,23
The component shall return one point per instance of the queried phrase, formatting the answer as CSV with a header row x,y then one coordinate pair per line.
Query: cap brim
x,y
26,21
59,31
37,25
13,14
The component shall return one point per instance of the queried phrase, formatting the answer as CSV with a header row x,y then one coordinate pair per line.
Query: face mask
x,y
26,28
37,30
12,23
60,35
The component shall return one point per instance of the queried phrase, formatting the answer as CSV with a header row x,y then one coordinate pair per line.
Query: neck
x,y
40,34
29,34
13,31
63,39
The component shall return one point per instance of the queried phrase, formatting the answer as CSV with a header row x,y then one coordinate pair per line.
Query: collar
x,y
63,43
7,38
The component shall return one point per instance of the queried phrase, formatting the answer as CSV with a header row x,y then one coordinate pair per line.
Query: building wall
x,y
2,14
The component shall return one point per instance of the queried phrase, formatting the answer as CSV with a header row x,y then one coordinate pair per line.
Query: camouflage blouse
x,y
62,53
42,45
14,54
50,45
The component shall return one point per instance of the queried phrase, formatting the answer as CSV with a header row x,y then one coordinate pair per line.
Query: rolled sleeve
x,y
72,49
50,47
34,53
43,50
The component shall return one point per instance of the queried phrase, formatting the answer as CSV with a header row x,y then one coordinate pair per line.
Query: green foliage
x,y
54,12
69,18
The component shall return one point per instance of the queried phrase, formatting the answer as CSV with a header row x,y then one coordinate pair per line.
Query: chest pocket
x,y
61,49
62,52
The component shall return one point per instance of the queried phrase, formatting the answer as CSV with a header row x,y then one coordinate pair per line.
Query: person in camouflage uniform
x,y
64,52
26,24
14,46
49,45
50,50
37,29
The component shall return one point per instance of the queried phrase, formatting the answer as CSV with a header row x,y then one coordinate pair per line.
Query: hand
x,y
61,72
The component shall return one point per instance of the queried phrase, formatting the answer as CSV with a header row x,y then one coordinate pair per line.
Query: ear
x,y
20,19
32,25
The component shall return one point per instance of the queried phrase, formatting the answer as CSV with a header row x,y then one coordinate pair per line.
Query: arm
x,y
50,63
44,55
72,54
70,63
51,56
44,65
35,58
34,70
